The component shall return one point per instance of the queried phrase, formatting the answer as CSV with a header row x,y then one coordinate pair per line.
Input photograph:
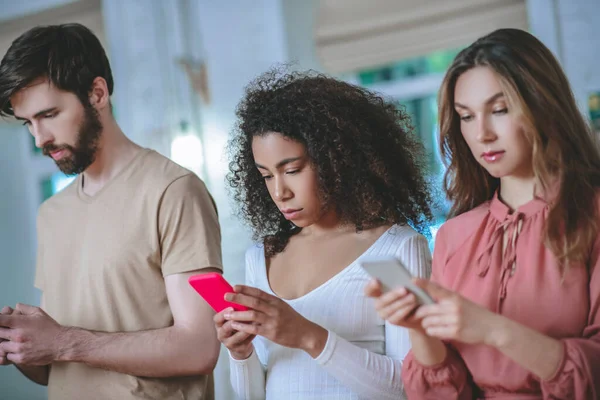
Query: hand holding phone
x,y
391,273
213,287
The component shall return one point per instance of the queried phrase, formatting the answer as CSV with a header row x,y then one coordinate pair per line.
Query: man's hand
x,y
3,359
31,337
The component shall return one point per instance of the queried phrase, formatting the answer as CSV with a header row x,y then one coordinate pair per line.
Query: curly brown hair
x,y
370,164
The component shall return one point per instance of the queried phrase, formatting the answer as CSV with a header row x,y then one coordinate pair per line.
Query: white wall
x,y
242,39
570,29
299,20
17,244
580,45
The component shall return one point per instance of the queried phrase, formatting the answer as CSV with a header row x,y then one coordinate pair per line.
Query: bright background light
x,y
61,181
186,150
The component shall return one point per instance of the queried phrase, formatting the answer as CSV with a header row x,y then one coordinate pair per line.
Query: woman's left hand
x,y
273,319
453,317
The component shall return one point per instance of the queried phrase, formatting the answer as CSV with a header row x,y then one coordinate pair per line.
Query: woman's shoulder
x,y
459,229
397,238
403,230
470,218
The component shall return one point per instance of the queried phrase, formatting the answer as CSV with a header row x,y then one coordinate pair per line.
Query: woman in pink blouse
x,y
516,271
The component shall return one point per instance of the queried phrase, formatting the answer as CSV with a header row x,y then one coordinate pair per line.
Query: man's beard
x,y
83,154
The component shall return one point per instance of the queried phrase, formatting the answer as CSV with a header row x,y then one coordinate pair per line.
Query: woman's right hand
x,y
238,343
396,306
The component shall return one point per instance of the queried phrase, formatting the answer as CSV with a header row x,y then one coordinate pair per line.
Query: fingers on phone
x,y
219,317
397,305
373,288
392,296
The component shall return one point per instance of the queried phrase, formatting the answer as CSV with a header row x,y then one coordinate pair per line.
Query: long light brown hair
x,y
564,148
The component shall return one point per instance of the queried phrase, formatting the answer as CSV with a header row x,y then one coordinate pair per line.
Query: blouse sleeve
x,y
578,375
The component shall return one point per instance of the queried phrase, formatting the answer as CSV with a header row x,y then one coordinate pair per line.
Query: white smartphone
x,y
391,273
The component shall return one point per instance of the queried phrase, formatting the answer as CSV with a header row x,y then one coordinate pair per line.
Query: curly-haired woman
x,y
324,173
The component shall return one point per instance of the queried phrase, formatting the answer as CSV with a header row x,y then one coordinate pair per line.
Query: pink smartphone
x,y
213,287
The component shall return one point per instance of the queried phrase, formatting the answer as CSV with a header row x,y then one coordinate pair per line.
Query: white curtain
x,y
357,34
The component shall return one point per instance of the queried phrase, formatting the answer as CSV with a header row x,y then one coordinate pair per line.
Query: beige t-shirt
x,y
102,262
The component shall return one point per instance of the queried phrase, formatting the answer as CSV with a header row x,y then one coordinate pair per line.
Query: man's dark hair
x,y
70,56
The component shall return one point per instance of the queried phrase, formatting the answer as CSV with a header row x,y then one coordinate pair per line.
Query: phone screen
x,y
391,273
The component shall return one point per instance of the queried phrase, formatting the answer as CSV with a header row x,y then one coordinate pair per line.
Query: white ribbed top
x,y
363,355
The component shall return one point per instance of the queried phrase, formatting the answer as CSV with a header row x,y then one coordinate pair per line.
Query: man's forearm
x,y
37,374
156,353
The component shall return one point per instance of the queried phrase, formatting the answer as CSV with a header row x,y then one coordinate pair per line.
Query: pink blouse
x,y
526,285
